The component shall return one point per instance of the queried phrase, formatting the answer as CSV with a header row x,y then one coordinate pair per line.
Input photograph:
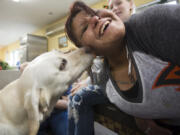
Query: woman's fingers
x,y
75,88
106,13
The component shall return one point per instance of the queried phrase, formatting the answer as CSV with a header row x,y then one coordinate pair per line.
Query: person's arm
x,y
62,103
156,31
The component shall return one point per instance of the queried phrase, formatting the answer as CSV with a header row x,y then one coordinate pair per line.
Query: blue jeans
x,y
80,111
56,123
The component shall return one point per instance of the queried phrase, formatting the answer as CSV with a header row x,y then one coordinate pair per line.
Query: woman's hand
x,y
106,13
77,87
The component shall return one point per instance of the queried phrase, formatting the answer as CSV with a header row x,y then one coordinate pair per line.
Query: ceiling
x,y
26,16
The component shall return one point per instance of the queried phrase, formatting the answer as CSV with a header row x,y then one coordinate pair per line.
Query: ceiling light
x,y
16,0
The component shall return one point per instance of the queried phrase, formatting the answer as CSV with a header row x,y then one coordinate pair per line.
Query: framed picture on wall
x,y
62,41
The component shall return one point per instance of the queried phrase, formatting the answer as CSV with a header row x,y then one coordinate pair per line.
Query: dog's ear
x,y
37,102
31,105
44,100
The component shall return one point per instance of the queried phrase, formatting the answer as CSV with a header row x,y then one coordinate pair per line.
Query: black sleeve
x,y
156,31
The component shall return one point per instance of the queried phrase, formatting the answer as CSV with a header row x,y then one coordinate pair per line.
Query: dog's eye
x,y
63,64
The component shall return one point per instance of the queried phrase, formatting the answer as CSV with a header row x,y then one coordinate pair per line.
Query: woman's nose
x,y
94,21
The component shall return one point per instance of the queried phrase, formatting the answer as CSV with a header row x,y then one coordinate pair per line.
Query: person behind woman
x,y
142,58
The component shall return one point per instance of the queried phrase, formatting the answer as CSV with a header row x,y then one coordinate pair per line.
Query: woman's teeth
x,y
103,28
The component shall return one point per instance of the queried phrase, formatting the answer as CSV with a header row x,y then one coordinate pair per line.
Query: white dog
x,y
31,98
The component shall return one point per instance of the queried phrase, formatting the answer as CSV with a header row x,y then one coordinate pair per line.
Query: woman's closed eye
x,y
84,29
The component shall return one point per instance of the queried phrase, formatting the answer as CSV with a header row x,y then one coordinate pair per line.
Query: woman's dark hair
x,y
77,7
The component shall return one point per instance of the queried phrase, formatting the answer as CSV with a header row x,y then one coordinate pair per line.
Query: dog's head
x,y
55,70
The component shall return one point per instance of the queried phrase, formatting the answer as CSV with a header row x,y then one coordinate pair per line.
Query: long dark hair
x,y
77,7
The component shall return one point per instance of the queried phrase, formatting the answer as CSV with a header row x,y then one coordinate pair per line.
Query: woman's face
x,y
100,34
122,8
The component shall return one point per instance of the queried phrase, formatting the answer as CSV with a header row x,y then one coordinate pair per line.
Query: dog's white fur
x,y
29,99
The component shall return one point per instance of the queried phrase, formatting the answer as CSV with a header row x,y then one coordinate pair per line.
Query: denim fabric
x,y
57,123
80,111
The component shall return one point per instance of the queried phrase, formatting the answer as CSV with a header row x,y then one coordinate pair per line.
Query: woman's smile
x,y
104,27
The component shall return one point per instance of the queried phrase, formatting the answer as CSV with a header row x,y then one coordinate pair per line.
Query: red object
x,y
0,68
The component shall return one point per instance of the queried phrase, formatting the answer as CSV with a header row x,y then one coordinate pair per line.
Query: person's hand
x,y
106,13
23,66
149,127
77,87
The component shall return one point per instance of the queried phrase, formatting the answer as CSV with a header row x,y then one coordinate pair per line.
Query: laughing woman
x,y
142,57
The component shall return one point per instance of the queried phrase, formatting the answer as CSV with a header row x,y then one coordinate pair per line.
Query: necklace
x,y
130,75
121,82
